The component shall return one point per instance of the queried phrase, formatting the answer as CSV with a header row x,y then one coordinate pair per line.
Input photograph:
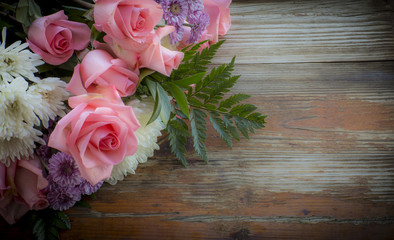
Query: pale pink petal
x,y
75,85
80,33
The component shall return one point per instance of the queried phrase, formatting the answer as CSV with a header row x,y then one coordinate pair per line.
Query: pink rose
x,y
98,133
21,186
159,58
54,38
219,17
150,54
127,21
99,68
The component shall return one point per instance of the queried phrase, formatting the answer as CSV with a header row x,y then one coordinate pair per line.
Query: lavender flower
x,y
87,188
199,26
63,170
65,182
62,198
174,11
43,151
177,35
194,7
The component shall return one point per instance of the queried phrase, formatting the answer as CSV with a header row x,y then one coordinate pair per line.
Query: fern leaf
x,y
220,127
197,124
227,120
243,110
232,100
177,135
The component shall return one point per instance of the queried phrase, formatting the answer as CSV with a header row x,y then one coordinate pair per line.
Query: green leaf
x,y
39,229
180,98
194,61
26,12
166,107
197,124
243,109
177,135
156,108
160,97
82,203
230,126
144,72
64,218
220,127
193,101
234,99
190,80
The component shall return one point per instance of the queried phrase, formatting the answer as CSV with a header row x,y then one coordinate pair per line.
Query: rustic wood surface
x,y
323,168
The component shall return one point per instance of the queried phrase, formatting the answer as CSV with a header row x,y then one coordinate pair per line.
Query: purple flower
x,y
62,198
177,35
199,26
87,188
64,170
194,6
174,11
43,151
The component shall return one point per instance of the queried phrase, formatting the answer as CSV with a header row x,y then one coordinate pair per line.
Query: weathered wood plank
x,y
309,31
323,168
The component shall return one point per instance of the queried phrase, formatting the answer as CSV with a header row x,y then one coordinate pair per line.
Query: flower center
x,y
8,61
66,169
175,8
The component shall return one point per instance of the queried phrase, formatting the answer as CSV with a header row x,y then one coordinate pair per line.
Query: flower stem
x,y
83,3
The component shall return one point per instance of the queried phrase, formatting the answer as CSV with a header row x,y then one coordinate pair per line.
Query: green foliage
x,y
197,124
205,100
47,223
177,135
27,11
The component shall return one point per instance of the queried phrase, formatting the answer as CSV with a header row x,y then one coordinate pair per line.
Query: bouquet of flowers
x,y
86,97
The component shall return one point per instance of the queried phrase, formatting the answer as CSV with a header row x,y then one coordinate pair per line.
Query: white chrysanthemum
x,y
17,120
19,147
17,108
147,140
53,94
17,61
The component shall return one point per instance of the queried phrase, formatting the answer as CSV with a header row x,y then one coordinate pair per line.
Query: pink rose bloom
x,y
21,189
55,38
99,68
98,133
127,21
219,17
159,58
151,54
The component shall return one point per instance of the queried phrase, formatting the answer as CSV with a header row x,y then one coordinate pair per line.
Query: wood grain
x,y
323,168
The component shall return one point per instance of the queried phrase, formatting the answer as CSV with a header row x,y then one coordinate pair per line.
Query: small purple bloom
x,y
174,11
64,170
62,198
87,188
43,151
177,35
199,26
194,6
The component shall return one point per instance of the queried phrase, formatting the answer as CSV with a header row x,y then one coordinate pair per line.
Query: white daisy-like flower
x,y
17,108
16,60
16,148
53,94
147,140
17,120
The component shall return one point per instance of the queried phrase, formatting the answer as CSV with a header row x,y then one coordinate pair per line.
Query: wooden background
x,y
323,168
